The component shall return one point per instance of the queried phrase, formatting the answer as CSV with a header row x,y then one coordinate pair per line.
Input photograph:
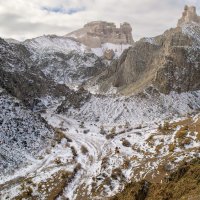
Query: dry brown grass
x,y
57,161
54,186
48,189
172,147
198,136
126,164
158,148
117,173
182,184
182,132
59,135
26,192
150,140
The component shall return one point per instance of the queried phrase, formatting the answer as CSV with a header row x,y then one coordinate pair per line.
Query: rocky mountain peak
x,y
83,122
96,33
169,62
189,15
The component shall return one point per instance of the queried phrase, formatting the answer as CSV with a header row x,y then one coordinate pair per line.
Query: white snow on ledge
x,y
117,48
150,40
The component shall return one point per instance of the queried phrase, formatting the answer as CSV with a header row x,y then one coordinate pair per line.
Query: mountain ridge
x,y
96,33
80,123
149,61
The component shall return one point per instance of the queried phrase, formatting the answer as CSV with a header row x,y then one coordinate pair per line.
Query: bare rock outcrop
x,y
109,54
24,78
94,34
169,62
189,15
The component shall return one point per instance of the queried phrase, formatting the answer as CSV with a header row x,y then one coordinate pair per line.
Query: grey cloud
x,y
15,28
147,17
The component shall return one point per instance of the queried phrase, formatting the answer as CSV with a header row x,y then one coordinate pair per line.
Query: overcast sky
x,y
22,19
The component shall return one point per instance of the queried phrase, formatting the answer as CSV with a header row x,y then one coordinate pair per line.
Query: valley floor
x,y
90,160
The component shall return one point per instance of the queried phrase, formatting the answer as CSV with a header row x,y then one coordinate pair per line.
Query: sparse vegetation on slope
x,y
183,184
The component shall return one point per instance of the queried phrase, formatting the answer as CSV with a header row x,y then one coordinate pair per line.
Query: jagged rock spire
x,y
189,15
95,33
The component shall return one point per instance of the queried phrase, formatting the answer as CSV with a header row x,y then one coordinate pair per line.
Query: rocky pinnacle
x,y
189,15
94,34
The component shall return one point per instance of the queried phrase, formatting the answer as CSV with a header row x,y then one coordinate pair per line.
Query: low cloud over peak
x,y
21,19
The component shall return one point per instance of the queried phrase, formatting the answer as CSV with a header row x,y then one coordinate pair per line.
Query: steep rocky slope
x,y
181,184
23,135
55,59
60,143
20,78
104,38
169,62
35,79
94,34
64,60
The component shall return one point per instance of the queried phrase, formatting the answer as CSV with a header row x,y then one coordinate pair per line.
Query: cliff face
x,y
28,73
189,15
169,62
24,135
96,33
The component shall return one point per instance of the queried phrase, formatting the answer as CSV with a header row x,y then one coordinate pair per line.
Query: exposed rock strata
x,y
189,15
169,62
96,33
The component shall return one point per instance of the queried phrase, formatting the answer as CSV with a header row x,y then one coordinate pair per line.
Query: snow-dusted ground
x,y
136,110
68,61
113,140
106,156
23,135
193,31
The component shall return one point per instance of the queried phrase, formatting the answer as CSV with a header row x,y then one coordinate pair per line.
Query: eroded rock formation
x,y
96,33
169,62
109,54
189,15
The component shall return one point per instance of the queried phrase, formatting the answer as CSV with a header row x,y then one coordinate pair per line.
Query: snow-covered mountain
x,y
64,60
24,136
169,62
80,122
